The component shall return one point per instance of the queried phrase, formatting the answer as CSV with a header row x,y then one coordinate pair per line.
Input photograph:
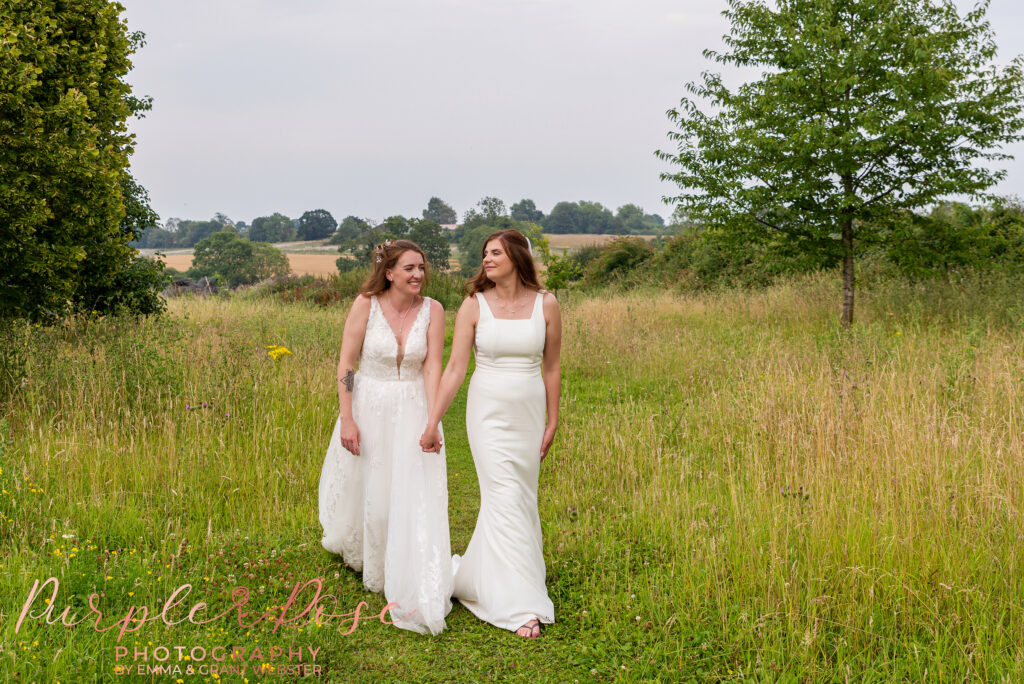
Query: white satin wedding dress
x,y
385,511
500,578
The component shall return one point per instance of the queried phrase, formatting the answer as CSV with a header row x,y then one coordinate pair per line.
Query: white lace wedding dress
x,y
500,578
385,511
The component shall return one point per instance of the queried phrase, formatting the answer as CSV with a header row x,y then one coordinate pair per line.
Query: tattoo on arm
x,y
349,380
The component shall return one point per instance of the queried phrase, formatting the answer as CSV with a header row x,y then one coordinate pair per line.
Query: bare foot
x,y
531,630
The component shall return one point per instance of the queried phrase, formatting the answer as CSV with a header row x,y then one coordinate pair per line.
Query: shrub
x,y
619,260
237,261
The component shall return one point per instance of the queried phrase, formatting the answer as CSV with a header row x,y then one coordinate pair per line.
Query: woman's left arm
x,y
435,351
552,368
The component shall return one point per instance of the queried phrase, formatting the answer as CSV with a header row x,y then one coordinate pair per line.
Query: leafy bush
x,y
133,290
237,261
618,260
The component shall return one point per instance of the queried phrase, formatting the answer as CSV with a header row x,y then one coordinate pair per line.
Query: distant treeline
x,y
318,224
950,239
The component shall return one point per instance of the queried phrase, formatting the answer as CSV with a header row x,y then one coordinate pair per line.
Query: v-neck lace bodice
x,y
379,357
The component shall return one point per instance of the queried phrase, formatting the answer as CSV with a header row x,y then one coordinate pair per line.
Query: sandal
x,y
532,630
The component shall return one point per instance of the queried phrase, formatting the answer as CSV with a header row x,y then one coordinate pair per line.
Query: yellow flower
x,y
276,352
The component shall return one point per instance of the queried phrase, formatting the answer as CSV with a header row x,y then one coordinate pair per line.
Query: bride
x,y
515,328
383,500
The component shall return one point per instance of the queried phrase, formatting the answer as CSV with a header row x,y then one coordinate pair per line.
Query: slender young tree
x,y
864,108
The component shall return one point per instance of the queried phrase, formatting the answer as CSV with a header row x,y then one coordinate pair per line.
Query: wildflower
x,y
276,351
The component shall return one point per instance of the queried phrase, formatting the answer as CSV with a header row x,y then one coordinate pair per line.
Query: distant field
x,y
577,240
318,264
302,264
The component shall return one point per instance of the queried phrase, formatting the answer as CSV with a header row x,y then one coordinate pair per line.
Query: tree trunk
x,y
847,318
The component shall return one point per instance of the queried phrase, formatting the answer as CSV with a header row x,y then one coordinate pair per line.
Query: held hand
x,y
431,440
549,437
349,434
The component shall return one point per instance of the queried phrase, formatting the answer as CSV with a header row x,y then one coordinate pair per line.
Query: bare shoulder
x,y
550,301
435,308
469,310
360,310
361,302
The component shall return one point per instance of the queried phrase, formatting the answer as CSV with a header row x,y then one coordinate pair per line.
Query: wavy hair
x,y
518,249
385,256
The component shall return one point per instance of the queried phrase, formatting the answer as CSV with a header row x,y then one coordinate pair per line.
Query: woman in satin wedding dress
x,y
383,499
515,329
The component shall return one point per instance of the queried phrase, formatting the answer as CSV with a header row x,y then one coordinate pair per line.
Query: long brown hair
x,y
517,247
385,256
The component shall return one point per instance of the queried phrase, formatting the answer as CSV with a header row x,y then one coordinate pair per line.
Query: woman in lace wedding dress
x,y
383,499
515,329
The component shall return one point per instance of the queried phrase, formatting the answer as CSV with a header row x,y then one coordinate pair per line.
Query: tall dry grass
x,y
738,489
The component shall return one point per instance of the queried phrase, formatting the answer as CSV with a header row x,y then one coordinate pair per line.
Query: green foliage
x,y
525,210
237,261
865,108
68,205
362,247
584,255
581,217
274,228
184,234
471,247
633,220
618,259
395,226
347,263
350,228
559,269
954,236
430,236
440,212
316,224
134,289
488,211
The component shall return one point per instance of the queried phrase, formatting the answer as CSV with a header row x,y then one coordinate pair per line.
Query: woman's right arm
x,y
351,346
454,372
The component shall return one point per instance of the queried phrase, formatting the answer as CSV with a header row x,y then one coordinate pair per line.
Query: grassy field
x,y
738,491
573,241
302,264
318,259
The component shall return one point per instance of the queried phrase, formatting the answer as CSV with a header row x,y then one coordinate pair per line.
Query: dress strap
x,y
537,304
419,314
374,309
484,306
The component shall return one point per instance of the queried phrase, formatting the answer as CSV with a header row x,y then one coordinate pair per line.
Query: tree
x,y
274,228
237,261
68,204
430,236
350,228
865,108
581,217
633,220
440,212
525,210
396,226
191,232
488,211
315,225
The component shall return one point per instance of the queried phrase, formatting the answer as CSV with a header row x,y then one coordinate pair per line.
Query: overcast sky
x,y
370,107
